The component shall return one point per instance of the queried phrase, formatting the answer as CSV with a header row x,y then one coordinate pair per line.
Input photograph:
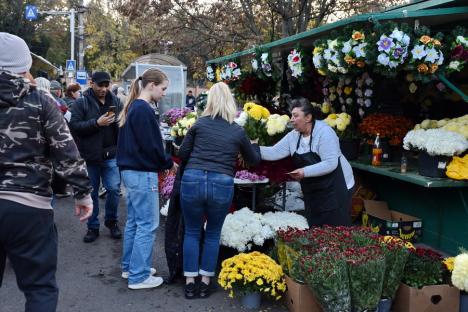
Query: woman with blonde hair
x,y
140,155
209,152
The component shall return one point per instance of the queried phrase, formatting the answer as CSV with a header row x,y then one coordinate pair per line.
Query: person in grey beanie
x,y
35,142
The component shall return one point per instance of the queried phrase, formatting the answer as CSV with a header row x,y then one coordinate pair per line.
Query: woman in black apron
x,y
327,199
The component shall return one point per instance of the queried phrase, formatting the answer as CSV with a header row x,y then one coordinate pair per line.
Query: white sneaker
x,y
150,282
126,274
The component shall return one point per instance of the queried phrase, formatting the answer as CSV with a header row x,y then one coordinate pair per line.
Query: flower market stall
x,y
400,74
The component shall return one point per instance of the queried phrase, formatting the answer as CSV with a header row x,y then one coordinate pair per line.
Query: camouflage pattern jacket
x,y
35,141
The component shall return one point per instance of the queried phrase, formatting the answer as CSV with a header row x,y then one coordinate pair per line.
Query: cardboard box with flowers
x,y
253,272
347,268
423,287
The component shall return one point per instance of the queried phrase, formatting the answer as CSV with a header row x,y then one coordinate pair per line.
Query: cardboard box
x,y
299,298
435,298
384,221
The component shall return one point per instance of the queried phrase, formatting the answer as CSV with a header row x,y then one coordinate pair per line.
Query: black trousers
x,y
28,238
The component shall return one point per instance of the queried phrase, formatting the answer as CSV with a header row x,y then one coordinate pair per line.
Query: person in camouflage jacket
x,y
34,142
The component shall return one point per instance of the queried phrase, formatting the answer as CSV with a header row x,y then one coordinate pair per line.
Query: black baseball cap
x,y
99,77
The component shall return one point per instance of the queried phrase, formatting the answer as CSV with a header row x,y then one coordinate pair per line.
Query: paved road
x,y
89,277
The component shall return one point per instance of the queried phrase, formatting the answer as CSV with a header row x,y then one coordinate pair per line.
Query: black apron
x,y
325,197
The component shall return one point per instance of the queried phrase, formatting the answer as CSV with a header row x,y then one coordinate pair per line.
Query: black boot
x,y
91,235
190,290
113,226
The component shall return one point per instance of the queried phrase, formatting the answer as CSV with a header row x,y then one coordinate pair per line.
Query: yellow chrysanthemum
x,y
248,106
449,263
256,112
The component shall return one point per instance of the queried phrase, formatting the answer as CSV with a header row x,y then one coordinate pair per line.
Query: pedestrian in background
x,y
72,94
121,95
94,124
190,100
140,155
39,145
210,151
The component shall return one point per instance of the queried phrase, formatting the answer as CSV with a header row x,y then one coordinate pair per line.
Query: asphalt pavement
x,y
89,276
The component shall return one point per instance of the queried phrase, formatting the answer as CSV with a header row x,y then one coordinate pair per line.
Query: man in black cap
x,y
94,124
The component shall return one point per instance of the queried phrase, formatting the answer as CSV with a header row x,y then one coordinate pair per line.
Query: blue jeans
x,y
204,193
109,172
142,222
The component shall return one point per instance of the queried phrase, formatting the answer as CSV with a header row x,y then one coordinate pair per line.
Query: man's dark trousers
x,y
28,238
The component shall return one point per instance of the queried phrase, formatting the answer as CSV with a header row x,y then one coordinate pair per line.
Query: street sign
x,y
71,65
81,77
30,12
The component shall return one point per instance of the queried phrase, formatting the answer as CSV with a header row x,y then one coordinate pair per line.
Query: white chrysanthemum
x,y
282,219
242,119
436,142
460,272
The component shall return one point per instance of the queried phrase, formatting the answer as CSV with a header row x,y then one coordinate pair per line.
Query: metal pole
x,y
81,36
72,34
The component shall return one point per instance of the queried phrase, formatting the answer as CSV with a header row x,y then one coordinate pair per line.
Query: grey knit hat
x,y
15,56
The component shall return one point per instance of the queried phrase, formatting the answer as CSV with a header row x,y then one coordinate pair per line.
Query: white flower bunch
x,y
210,75
242,119
460,272
436,142
183,125
332,57
295,63
276,124
462,40
244,227
393,49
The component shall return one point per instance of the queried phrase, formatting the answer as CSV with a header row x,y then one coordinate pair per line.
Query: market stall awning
x,y
430,13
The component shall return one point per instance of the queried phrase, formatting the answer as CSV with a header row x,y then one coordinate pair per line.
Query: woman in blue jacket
x,y
140,155
210,151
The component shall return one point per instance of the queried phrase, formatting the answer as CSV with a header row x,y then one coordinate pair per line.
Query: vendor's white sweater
x,y
324,142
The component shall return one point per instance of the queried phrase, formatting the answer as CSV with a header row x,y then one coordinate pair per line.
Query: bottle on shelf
x,y
404,164
377,152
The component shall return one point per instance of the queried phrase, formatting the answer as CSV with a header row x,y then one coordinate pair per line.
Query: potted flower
x,y
396,254
436,147
460,278
250,275
349,143
174,114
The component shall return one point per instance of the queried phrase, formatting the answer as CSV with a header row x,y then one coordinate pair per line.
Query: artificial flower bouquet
x,y
252,272
295,63
426,55
356,50
459,50
391,127
244,228
259,124
435,142
230,72
262,65
174,114
181,127
424,267
392,48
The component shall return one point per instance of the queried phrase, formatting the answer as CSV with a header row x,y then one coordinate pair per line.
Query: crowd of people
x,y
98,136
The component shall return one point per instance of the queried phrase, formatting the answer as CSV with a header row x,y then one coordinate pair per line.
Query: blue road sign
x,y
81,77
71,65
30,12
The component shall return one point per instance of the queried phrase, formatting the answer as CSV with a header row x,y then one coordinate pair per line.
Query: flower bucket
x,y
350,148
463,301
432,166
385,305
251,300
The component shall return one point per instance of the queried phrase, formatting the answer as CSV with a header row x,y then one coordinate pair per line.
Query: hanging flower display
x,y
355,51
459,51
262,65
210,74
295,63
230,72
328,58
426,55
392,48
364,92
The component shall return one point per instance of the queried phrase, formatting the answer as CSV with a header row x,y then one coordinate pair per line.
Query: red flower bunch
x,y
424,267
393,128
